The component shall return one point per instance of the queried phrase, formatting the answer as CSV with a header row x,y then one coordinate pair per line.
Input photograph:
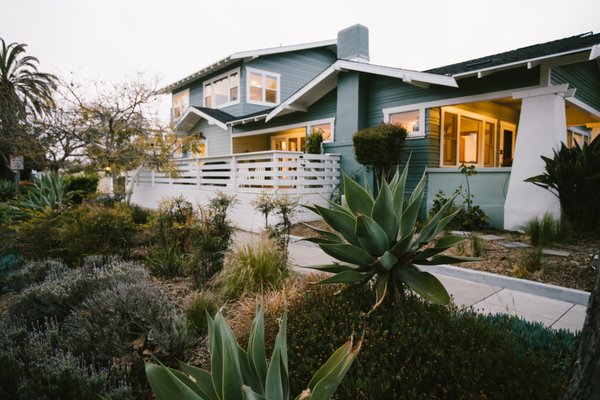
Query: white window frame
x,y
330,121
481,135
264,86
420,134
181,92
217,78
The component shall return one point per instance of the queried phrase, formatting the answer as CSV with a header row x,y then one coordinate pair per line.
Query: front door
x,y
508,135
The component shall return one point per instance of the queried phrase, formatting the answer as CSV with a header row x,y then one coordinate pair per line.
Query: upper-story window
x,y
223,90
181,101
262,87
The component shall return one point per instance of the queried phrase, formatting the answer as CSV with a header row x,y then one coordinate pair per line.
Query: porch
x,y
310,177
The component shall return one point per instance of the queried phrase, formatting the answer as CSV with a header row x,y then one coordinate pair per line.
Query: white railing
x,y
284,171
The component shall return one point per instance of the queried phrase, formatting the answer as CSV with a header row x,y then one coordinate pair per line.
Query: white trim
x,y
541,91
286,127
208,118
489,70
595,52
241,55
421,133
509,126
264,74
219,77
330,121
584,106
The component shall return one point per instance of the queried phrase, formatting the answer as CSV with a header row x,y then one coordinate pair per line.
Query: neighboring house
x,y
499,113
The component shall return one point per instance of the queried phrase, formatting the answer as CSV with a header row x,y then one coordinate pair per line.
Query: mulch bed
x,y
575,271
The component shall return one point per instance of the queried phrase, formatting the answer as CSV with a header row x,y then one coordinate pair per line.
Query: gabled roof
x,y
574,44
215,117
245,55
327,80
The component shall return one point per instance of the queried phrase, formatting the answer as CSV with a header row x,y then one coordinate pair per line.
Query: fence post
x,y
233,172
152,177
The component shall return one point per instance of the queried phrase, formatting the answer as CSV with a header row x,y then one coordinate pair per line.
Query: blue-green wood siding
x,y
583,76
218,142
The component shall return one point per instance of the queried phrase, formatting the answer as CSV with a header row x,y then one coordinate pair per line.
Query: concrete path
x,y
553,306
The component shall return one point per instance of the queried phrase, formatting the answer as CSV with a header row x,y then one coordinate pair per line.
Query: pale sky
x,y
112,40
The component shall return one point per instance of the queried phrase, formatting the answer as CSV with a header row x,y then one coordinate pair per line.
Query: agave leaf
x,y
426,233
330,236
442,245
216,353
348,253
334,206
333,268
326,386
334,360
409,217
371,236
443,223
383,212
201,378
249,394
340,222
168,385
381,286
349,277
231,375
256,348
447,259
402,246
277,384
398,192
311,208
358,199
418,189
388,260
320,241
425,284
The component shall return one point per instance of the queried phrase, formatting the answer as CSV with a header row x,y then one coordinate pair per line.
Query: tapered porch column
x,y
542,128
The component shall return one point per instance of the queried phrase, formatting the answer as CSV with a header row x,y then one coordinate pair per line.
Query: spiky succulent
x,y
377,239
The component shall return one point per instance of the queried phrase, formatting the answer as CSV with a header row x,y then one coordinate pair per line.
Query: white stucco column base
x,y
542,127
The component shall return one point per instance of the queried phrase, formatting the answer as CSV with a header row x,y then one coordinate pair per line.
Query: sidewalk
x,y
553,306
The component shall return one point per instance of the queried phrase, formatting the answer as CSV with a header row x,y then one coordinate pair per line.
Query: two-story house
x,y
499,113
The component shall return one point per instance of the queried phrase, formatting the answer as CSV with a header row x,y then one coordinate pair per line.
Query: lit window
x,y
409,120
489,142
180,101
325,131
222,91
469,140
263,87
449,133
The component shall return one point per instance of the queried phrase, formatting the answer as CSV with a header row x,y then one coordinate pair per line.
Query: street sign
x,y
17,163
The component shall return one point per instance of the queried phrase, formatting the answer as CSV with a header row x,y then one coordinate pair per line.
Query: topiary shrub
x,y
418,350
573,175
379,146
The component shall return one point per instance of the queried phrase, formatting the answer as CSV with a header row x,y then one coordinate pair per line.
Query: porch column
x,y
542,128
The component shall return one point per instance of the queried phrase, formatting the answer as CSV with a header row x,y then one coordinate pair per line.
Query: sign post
x,y
17,164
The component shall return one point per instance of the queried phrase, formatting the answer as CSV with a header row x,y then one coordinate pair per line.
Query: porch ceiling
x,y
577,116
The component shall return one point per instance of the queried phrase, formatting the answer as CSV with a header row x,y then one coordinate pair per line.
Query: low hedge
x,y
417,350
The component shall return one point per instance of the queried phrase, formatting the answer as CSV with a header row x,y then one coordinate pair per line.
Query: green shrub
x,y
203,303
38,236
253,268
34,365
546,230
8,190
59,294
212,240
467,218
379,146
531,259
574,176
166,260
175,221
9,264
418,350
120,323
48,192
35,272
83,185
314,140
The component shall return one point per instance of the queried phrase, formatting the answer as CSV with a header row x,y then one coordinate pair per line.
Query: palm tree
x,y
24,91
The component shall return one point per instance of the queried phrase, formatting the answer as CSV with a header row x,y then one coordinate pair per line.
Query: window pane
x,y
271,82
409,120
270,96
255,93
449,137
233,87
469,140
255,79
488,145
220,92
325,131
207,96
255,86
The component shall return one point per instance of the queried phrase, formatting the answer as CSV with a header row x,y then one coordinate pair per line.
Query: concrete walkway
x,y
553,306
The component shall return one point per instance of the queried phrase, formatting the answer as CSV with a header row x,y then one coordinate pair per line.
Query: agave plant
x,y
377,240
49,192
244,374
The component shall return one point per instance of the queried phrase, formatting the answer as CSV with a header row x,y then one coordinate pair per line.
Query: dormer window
x,y
223,90
180,103
263,87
